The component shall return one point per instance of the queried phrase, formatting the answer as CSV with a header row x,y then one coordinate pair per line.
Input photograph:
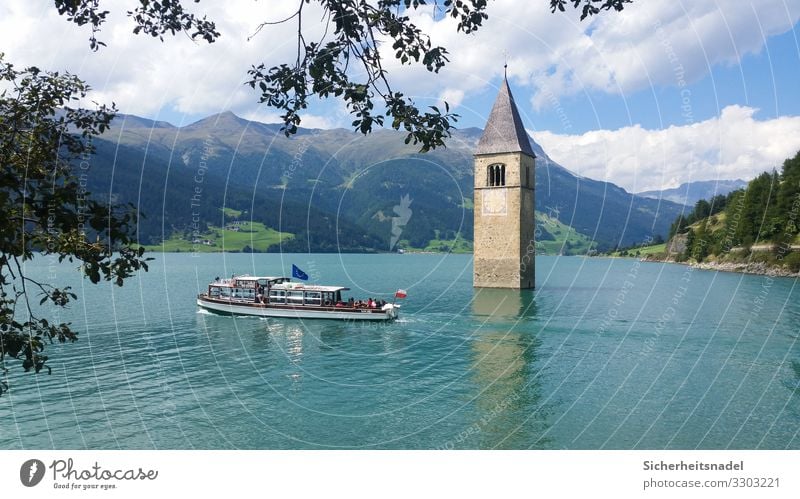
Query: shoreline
x,y
752,268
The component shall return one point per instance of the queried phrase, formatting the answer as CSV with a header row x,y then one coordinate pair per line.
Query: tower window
x,y
496,175
527,176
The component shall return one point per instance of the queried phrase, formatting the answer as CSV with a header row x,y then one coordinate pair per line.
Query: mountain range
x,y
335,190
689,193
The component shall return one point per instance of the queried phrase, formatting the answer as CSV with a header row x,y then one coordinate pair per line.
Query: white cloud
x,y
733,145
142,74
666,43
309,120
652,42
663,42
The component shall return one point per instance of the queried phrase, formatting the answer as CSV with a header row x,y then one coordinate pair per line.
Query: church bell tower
x,y
504,246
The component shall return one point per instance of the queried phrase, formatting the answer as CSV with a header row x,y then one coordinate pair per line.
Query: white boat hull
x,y
389,312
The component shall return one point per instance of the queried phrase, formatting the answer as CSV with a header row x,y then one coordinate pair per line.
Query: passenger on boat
x,y
339,304
370,303
350,302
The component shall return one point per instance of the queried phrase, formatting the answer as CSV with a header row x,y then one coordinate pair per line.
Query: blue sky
x,y
768,81
666,92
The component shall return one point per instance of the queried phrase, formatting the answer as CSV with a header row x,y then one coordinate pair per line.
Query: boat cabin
x,y
274,291
292,293
242,288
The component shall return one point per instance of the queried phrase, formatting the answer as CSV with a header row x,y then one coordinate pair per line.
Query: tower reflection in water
x,y
509,413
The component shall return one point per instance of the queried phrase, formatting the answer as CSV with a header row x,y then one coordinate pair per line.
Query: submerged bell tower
x,y
504,246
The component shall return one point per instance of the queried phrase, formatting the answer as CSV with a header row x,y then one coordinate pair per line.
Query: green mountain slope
x,y
339,191
759,223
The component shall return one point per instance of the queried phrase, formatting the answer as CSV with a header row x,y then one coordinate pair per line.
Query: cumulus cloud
x,y
663,42
653,42
144,75
733,145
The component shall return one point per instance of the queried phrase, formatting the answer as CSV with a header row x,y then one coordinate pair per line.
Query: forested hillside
x,y
761,221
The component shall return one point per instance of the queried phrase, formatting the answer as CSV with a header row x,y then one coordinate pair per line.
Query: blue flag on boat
x,y
299,274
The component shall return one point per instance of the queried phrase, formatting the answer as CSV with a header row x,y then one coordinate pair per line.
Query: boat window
x,y
225,292
313,298
277,296
294,297
213,291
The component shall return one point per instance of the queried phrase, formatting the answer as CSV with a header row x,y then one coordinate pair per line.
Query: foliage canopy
x,y
45,147
767,211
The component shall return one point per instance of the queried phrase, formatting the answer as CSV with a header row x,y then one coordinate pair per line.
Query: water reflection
x,y
495,305
290,337
332,336
508,400
231,336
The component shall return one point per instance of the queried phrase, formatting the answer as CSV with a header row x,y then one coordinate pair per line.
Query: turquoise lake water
x,y
604,353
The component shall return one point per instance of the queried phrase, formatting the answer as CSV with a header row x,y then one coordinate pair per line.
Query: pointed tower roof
x,y
504,131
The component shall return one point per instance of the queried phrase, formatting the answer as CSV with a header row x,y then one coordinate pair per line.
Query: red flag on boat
x,y
401,293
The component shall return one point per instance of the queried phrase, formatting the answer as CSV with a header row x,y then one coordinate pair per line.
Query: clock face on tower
x,y
494,202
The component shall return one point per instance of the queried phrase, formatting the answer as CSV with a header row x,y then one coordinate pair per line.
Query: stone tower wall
x,y
504,223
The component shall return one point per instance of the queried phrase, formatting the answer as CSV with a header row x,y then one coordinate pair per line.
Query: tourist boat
x,y
280,297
